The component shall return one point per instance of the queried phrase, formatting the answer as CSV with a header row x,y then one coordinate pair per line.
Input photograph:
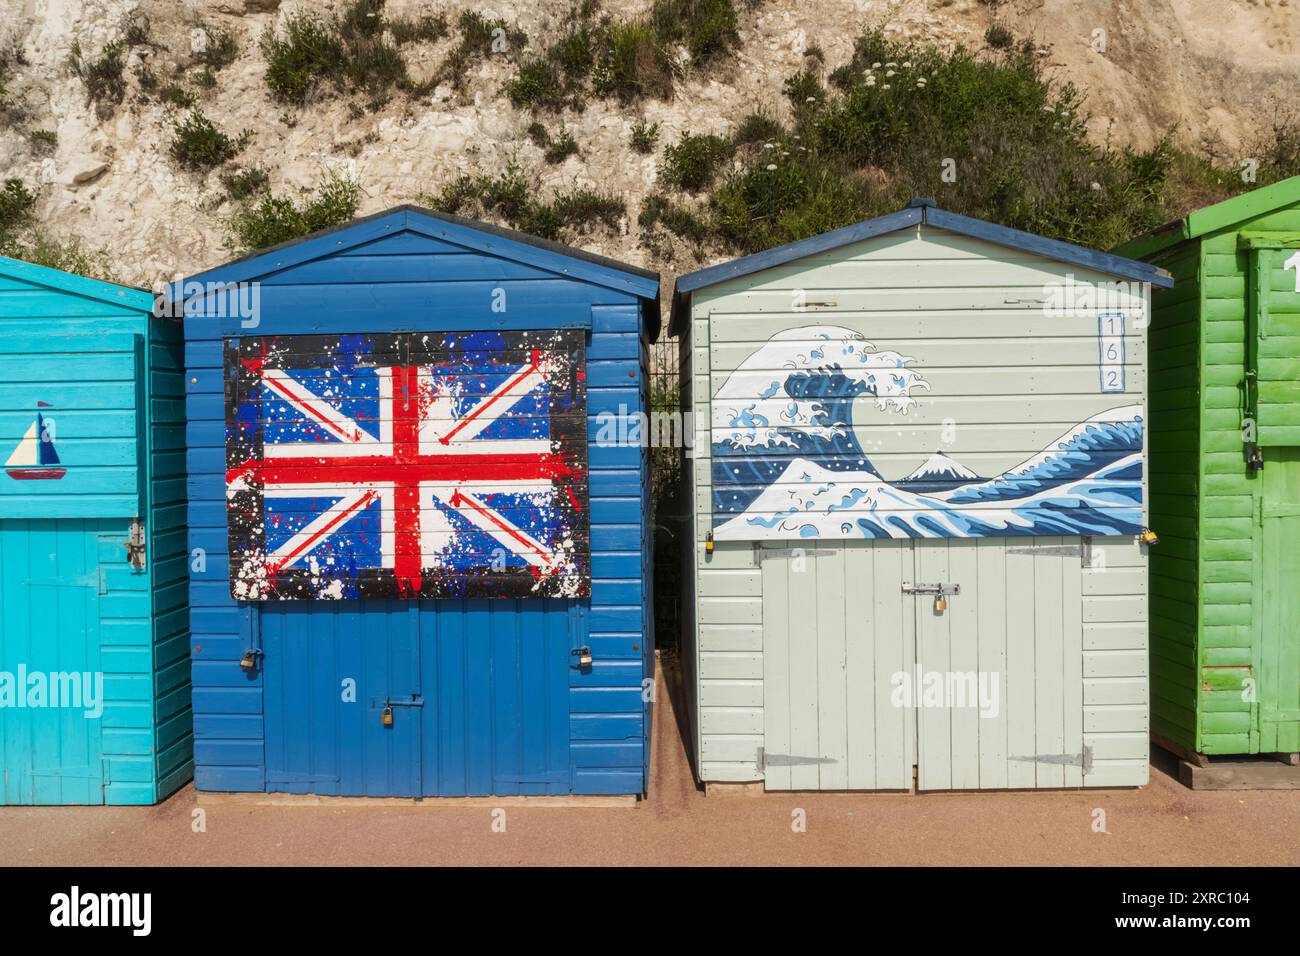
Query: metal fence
x,y
665,476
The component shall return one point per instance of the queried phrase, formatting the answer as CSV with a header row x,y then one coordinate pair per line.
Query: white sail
x,y
27,451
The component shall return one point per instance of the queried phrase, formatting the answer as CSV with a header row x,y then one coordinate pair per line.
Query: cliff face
x,y
1219,70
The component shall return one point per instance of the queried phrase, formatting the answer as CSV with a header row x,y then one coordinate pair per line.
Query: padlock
x,y
940,604
386,716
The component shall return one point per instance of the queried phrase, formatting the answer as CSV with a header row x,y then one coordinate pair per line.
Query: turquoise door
x,y
49,658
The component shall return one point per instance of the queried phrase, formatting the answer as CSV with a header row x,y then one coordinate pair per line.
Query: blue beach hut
x,y
416,571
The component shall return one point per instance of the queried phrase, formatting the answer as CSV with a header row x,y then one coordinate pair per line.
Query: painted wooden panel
x,y
70,410
830,422
500,685
833,404
408,465
110,442
834,659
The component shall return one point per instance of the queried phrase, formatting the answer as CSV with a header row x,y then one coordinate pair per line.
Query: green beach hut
x,y
1225,477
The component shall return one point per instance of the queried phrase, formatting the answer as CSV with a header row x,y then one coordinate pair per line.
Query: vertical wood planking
x,y
964,636
777,692
1020,590
894,636
831,706
1048,663
933,716
1072,664
801,660
991,621
861,597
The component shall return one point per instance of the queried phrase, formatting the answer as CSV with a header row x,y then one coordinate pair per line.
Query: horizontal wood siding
x,y
1116,700
1175,442
169,557
413,281
972,315
113,374
1229,651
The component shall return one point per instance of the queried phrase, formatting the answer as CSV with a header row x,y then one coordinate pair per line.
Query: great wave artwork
x,y
788,464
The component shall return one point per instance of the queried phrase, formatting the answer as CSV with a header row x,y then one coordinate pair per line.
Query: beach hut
x,y
1225,477
917,493
418,514
94,652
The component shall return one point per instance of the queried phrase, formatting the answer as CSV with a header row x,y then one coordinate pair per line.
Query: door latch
x,y
940,592
135,546
386,712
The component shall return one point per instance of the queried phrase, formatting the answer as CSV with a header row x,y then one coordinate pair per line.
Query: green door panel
x,y
1279,638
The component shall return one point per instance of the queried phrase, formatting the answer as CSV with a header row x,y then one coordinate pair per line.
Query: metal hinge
x,y
766,760
1059,550
135,546
1083,760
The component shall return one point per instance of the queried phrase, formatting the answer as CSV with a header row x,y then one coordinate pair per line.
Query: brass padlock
x,y
940,604
386,716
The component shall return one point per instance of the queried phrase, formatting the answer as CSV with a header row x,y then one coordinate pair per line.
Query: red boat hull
x,y
36,474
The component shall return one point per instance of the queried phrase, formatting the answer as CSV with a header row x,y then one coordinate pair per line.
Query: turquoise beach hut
x,y
94,640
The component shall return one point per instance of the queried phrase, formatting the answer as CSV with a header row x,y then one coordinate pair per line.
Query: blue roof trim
x,y
922,211
1050,248
477,236
759,261
121,295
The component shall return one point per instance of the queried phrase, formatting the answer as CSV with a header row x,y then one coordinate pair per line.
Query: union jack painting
x,y
410,465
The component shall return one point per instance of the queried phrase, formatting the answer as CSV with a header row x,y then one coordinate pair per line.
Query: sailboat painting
x,y
34,458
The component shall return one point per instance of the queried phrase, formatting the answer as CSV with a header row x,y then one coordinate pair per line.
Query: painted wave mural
x,y
787,463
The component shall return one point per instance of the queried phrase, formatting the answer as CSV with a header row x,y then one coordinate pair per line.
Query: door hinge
x,y
1083,759
135,546
766,760
1058,550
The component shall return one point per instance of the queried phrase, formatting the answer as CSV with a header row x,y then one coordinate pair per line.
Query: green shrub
x,y
561,147
308,53
511,197
65,255
219,49
536,85
644,136
658,210
999,37
176,96
477,36
241,184
102,77
17,207
706,27
694,161
897,113
575,53
137,33
272,219
425,29
757,128
44,140
199,144
634,64
584,208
